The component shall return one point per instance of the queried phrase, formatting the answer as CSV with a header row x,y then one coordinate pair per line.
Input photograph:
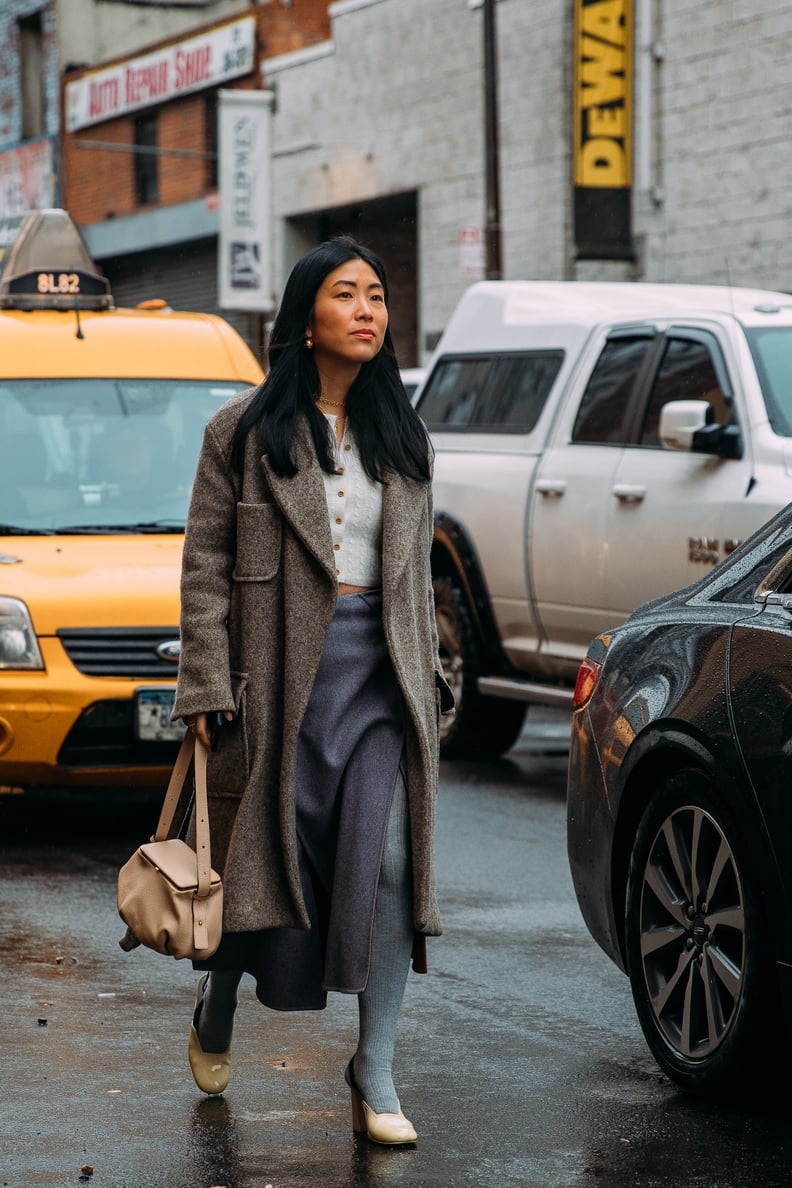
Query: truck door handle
x,y
627,494
552,488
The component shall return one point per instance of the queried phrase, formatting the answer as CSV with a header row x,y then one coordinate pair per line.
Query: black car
x,y
680,814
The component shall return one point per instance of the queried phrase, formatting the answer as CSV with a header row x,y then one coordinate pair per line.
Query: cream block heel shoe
x,y
210,1070
388,1129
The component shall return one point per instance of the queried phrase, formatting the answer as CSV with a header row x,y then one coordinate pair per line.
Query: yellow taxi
x,y
102,412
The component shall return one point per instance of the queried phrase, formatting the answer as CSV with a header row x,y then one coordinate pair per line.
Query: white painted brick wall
x,y
11,12
399,106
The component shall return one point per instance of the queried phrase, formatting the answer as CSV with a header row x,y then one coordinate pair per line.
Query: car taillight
x,y
587,677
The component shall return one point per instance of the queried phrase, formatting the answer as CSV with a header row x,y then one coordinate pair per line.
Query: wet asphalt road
x,y
519,1058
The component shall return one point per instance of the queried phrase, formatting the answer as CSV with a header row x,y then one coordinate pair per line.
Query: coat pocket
x,y
258,542
228,767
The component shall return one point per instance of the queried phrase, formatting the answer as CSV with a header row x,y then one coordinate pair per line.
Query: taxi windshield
x,y
771,348
101,455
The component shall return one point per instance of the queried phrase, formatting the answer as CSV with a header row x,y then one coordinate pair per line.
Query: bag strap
x,y
191,747
175,785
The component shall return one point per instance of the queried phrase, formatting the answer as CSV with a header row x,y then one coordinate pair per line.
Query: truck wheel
x,y
482,727
698,952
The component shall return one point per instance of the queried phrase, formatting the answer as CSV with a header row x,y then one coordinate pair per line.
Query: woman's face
x,y
349,317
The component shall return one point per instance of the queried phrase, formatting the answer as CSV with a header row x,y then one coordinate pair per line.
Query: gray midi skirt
x,y
349,755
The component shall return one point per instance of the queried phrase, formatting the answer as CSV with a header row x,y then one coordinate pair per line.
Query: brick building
x,y
139,155
39,39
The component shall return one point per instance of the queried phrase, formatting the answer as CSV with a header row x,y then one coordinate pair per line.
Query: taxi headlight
x,y
18,644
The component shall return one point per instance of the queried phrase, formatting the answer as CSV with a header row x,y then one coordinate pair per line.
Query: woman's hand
x,y
199,725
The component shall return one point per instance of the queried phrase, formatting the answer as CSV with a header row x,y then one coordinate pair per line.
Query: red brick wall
x,y
100,183
97,185
182,125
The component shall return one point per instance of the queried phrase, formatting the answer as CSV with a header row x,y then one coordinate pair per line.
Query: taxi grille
x,y
119,651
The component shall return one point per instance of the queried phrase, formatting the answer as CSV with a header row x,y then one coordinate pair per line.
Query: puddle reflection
x,y
215,1143
373,1166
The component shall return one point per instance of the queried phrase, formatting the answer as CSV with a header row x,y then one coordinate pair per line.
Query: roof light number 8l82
x,y
62,282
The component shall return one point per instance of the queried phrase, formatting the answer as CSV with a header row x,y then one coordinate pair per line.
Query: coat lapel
x,y
302,500
402,502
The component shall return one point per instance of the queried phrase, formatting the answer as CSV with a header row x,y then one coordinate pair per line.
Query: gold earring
x,y
308,342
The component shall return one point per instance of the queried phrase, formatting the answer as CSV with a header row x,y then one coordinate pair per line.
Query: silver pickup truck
x,y
596,445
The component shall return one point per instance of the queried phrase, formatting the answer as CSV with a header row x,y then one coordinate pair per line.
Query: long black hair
x,y
387,428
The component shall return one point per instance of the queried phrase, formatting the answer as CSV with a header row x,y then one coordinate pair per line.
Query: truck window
x,y
772,355
687,372
499,393
603,416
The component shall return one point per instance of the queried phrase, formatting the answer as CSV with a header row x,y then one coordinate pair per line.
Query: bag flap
x,y
176,861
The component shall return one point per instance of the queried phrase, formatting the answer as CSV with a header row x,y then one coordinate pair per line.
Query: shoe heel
x,y
358,1117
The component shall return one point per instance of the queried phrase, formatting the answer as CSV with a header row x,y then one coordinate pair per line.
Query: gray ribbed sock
x,y
380,1003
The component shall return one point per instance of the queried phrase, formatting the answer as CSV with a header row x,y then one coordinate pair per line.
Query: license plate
x,y
153,708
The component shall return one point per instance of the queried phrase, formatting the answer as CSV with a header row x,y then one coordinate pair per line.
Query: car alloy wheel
x,y
692,931
698,956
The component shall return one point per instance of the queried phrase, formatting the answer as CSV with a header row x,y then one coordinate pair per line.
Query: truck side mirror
x,y
690,425
680,420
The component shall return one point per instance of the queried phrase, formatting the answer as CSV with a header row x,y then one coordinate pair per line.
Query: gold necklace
x,y
332,403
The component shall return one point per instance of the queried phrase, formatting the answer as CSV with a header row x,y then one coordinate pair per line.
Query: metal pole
x,y
492,227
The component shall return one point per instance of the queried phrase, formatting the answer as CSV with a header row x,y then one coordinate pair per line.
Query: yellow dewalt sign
x,y
603,99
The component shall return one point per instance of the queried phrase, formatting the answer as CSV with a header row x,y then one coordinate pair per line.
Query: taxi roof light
x,y
49,266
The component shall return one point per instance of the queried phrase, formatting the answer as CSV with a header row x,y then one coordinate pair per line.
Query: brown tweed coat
x,y
258,591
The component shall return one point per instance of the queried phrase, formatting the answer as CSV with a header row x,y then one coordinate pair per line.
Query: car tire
x,y
482,727
698,952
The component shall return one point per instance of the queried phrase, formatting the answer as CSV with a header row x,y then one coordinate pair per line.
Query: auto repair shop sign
x,y
204,61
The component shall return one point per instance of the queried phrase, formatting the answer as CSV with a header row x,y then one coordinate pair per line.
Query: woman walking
x,y
308,631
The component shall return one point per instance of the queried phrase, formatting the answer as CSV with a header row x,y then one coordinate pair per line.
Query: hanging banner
x,y
602,138
245,165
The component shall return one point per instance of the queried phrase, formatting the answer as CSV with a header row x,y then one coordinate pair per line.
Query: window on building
x,y
31,48
211,140
146,161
